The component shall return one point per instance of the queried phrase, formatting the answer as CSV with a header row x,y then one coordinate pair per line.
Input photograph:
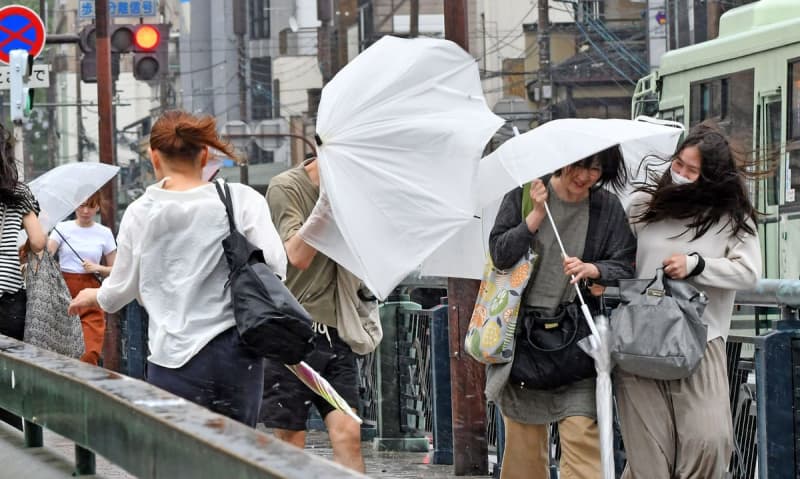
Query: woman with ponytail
x,y
170,258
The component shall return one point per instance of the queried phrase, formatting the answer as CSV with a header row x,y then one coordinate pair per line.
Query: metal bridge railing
x,y
763,376
143,429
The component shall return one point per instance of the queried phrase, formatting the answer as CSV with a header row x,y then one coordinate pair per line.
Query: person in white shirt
x,y
698,224
81,245
170,258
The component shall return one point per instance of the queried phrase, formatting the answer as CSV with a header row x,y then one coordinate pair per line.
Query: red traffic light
x,y
147,37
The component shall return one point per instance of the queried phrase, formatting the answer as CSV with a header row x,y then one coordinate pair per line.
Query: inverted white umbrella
x,y
61,190
536,153
401,130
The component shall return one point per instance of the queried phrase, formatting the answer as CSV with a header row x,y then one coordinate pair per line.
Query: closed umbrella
x,y
401,130
601,353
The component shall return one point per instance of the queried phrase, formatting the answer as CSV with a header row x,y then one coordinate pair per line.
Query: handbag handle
x,y
226,200
559,348
658,287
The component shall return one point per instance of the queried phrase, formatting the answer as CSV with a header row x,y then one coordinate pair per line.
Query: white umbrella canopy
x,y
402,128
61,190
559,143
538,152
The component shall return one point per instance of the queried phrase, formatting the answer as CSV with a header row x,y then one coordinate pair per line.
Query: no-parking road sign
x,y
20,29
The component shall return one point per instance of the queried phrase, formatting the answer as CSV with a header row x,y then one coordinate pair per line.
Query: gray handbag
x,y
657,331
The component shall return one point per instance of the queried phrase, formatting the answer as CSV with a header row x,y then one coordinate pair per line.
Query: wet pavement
x,y
381,464
385,464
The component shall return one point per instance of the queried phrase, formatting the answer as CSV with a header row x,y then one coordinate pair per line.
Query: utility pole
x,y
413,25
108,198
545,80
713,12
239,29
467,376
78,98
105,113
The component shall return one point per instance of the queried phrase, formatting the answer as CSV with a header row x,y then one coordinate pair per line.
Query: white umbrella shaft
x,y
584,308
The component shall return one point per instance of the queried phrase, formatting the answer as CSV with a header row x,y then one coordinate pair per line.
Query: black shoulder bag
x,y
271,322
547,354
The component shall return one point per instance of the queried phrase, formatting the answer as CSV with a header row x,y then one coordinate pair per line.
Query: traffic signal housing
x,y
148,43
151,51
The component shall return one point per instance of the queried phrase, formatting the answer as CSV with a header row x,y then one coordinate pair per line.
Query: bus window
x,y
674,114
793,177
792,171
772,145
728,101
794,101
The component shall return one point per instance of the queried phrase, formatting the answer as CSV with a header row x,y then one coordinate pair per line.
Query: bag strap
x,y
226,200
69,245
566,343
3,221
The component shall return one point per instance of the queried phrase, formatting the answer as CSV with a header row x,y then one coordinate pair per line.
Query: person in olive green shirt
x,y
311,277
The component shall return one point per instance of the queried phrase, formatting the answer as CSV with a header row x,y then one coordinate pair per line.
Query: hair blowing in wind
x,y
181,136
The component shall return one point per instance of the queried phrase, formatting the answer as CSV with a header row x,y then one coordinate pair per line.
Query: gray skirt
x,y
531,406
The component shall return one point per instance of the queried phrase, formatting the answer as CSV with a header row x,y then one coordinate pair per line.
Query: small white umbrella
x,y
401,130
536,153
61,190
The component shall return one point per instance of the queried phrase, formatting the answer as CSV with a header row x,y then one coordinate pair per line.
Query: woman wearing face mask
x,y
697,223
594,228
82,244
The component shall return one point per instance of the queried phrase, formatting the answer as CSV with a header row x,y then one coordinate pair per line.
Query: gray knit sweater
x,y
611,246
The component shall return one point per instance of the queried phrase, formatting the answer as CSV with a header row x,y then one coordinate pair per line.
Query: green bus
x,y
748,81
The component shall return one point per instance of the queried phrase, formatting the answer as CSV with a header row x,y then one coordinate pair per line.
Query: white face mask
x,y
678,179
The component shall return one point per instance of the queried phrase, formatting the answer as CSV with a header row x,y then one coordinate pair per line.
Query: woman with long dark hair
x,y
697,223
18,209
595,230
170,257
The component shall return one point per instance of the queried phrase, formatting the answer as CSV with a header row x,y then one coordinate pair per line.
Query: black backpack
x,y
271,322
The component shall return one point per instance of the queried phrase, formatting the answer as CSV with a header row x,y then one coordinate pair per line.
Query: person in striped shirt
x,y
18,209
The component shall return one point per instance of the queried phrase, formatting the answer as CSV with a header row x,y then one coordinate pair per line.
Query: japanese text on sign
x,y
40,77
120,8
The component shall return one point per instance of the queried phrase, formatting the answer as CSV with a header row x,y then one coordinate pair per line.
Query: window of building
x,y
261,88
259,18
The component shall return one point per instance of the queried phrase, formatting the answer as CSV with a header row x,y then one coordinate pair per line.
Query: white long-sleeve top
x,y
170,258
732,262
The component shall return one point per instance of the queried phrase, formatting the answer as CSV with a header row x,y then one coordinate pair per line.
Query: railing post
x,y
391,434
33,435
84,461
440,375
777,355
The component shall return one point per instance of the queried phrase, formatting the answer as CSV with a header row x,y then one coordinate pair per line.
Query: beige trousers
x,y
525,455
678,429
